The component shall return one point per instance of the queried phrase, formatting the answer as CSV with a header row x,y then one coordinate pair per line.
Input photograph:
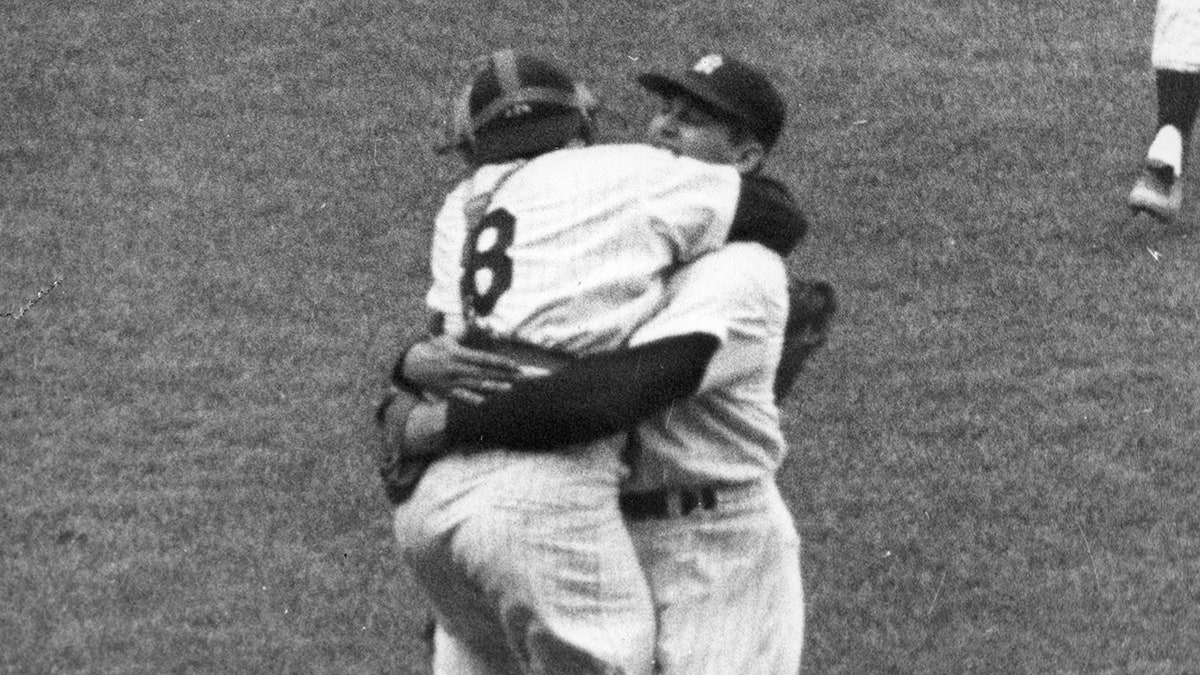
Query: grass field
x,y
225,207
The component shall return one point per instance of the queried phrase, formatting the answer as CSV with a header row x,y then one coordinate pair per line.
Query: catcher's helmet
x,y
517,105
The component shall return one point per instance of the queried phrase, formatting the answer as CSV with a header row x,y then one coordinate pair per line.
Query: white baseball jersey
x,y
574,247
1177,36
728,431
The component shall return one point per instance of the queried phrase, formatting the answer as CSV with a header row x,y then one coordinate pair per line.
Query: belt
x,y
663,504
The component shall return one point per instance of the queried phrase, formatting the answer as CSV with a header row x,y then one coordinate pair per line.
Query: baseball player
x,y
715,537
550,251
1175,56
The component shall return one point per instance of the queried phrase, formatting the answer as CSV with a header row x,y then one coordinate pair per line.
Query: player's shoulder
x,y
458,193
741,267
481,180
452,204
767,213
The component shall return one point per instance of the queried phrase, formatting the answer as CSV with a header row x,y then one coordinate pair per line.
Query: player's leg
x,y
531,564
1158,189
573,597
1178,101
1176,58
469,637
727,588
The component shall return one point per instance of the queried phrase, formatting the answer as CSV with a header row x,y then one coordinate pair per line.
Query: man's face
x,y
684,127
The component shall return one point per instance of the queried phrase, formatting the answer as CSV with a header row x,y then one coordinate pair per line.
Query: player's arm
x,y
768,214
441,365
436,363
587,399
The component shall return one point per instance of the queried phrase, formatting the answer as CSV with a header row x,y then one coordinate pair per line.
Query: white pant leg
x,y
1177,36
528,562
727,588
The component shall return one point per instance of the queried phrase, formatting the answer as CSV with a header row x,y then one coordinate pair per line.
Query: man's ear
x,y
749,156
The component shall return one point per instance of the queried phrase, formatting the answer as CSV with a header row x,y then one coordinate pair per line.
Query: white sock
x,y
1167,149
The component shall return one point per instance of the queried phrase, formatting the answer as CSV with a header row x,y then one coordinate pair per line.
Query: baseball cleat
x,y
1157,192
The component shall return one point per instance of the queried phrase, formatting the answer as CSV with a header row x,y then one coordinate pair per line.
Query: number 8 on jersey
x,y
487,268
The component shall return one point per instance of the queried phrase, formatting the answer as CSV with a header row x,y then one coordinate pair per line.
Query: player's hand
x,y
442,366
400,463
425,428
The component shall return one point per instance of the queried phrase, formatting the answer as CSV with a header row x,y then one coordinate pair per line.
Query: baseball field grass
x,y
214,220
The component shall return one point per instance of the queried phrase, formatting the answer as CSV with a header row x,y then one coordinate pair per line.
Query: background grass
x,y
993,465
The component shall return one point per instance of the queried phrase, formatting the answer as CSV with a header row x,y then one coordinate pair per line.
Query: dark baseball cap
x,y
731,87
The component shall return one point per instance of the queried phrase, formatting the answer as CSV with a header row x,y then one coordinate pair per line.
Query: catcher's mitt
x,y
399,466
811,306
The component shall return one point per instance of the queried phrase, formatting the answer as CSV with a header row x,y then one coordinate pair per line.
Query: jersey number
x,y
487,270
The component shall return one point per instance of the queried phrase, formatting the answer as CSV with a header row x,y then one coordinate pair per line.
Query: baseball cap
x,y
731,87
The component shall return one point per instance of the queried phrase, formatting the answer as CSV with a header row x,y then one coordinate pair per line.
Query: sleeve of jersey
x,y
719,294
692,203
588,399
445,256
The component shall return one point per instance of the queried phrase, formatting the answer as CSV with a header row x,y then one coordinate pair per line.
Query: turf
x,y
213,229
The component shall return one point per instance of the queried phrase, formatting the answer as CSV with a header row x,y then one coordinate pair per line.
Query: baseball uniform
x,y
1177,36
525,558
716,540
1176,58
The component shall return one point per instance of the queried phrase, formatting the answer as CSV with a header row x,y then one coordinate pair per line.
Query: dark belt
x,y
663,504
